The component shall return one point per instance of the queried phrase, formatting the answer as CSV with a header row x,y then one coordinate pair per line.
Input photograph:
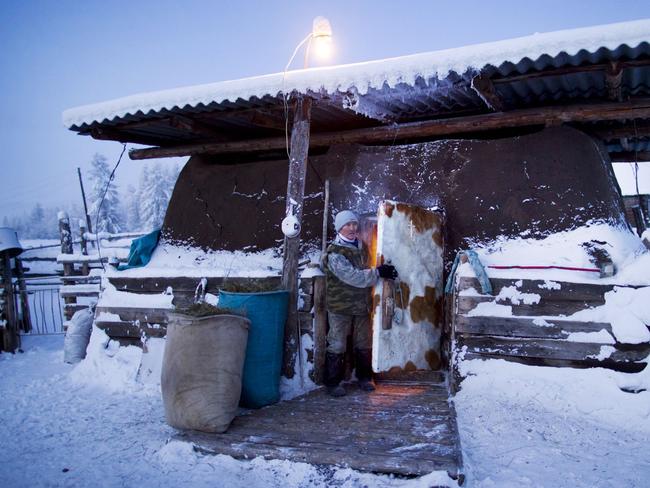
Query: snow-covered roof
x,y
537,51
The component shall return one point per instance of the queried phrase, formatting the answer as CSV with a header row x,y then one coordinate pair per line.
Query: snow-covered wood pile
x,y
556,317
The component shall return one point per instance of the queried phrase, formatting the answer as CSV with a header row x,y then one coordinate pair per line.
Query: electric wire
x,y
101,202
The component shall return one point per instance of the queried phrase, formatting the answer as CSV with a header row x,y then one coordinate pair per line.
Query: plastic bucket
x,y
267,312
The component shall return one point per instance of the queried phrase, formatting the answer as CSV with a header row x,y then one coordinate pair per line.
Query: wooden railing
x,y
79,280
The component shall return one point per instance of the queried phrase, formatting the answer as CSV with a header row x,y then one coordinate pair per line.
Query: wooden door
x,y
408,313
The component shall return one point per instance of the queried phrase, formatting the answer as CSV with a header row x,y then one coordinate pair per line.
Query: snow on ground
x,y
64,425
553,427
102,423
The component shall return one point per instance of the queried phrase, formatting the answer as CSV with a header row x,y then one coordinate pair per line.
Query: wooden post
x,y
10,339
320,330
24,297
296,192
83,197
326,206
66,248
85,267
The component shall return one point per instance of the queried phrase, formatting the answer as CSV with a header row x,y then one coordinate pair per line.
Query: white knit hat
x,y
344,217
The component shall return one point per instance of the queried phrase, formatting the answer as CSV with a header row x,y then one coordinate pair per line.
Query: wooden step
x,y
131,314
466,303
525,327
566,291
128,329
533,348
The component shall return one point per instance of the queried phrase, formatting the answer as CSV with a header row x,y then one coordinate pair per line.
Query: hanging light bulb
x,y
322,37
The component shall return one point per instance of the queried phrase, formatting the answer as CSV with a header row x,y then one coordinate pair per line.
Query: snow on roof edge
x,y
370,74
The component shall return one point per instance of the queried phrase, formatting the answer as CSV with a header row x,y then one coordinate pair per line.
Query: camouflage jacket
x,y
348,280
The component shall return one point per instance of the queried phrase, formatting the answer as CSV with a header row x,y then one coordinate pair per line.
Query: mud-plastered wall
x,y
531,185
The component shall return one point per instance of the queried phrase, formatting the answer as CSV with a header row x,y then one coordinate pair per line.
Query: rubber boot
x,y
334,374
363,359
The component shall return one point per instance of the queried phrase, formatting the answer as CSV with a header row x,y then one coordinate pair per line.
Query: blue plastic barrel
x,y
267,312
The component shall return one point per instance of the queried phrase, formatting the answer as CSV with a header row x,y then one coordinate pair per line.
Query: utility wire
x,y
99,208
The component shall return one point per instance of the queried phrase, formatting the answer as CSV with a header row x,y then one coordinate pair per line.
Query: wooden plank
x,y
548,349
589,292
466,303
183,284
71,308
407,430
80,280
525,327
127,329
412,377
485,89
320,330
294,204
595,112
630,156
129,314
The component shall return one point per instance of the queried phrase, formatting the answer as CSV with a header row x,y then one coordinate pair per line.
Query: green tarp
x,y
141,250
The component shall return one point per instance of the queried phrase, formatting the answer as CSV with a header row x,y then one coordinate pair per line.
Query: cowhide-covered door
x,y
408,313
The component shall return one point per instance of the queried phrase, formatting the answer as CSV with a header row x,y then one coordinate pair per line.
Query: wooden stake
x,y
24,297
11,340
66,248
295,191
326,205
320,330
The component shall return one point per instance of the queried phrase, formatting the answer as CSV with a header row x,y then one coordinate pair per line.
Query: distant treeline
x,y
141,207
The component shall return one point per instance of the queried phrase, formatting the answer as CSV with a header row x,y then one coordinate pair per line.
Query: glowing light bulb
x,y
323,47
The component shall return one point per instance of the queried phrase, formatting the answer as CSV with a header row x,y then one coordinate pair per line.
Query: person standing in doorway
x,y
348,293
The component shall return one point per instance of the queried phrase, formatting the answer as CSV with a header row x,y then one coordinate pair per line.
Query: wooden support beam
x,y
613,79
631,109
110,134
10,337
295,192
630,157
569,70
193,126
485,89
630,130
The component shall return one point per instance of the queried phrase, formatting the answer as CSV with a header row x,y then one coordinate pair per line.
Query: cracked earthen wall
x,y
549,181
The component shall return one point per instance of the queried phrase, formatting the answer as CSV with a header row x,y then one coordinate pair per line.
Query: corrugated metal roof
x,y
411,87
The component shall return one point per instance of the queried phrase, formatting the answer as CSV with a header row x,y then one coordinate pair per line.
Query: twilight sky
x,y
58,54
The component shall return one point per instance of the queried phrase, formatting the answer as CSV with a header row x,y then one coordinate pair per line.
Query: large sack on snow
x,y
202,370
77,336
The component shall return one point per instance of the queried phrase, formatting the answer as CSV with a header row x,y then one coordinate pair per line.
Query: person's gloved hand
x,y
387,271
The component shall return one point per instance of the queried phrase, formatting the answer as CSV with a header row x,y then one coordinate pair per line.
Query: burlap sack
x,y
202,370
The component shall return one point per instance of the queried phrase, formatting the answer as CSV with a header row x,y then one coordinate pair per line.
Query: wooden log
x,y
320,330
131,314
184,284
295,193
526,327
127,329
635,108
549,349
485,89
630,157
546,289
10,337
71,308
85,269
467,303
26,324
66,240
